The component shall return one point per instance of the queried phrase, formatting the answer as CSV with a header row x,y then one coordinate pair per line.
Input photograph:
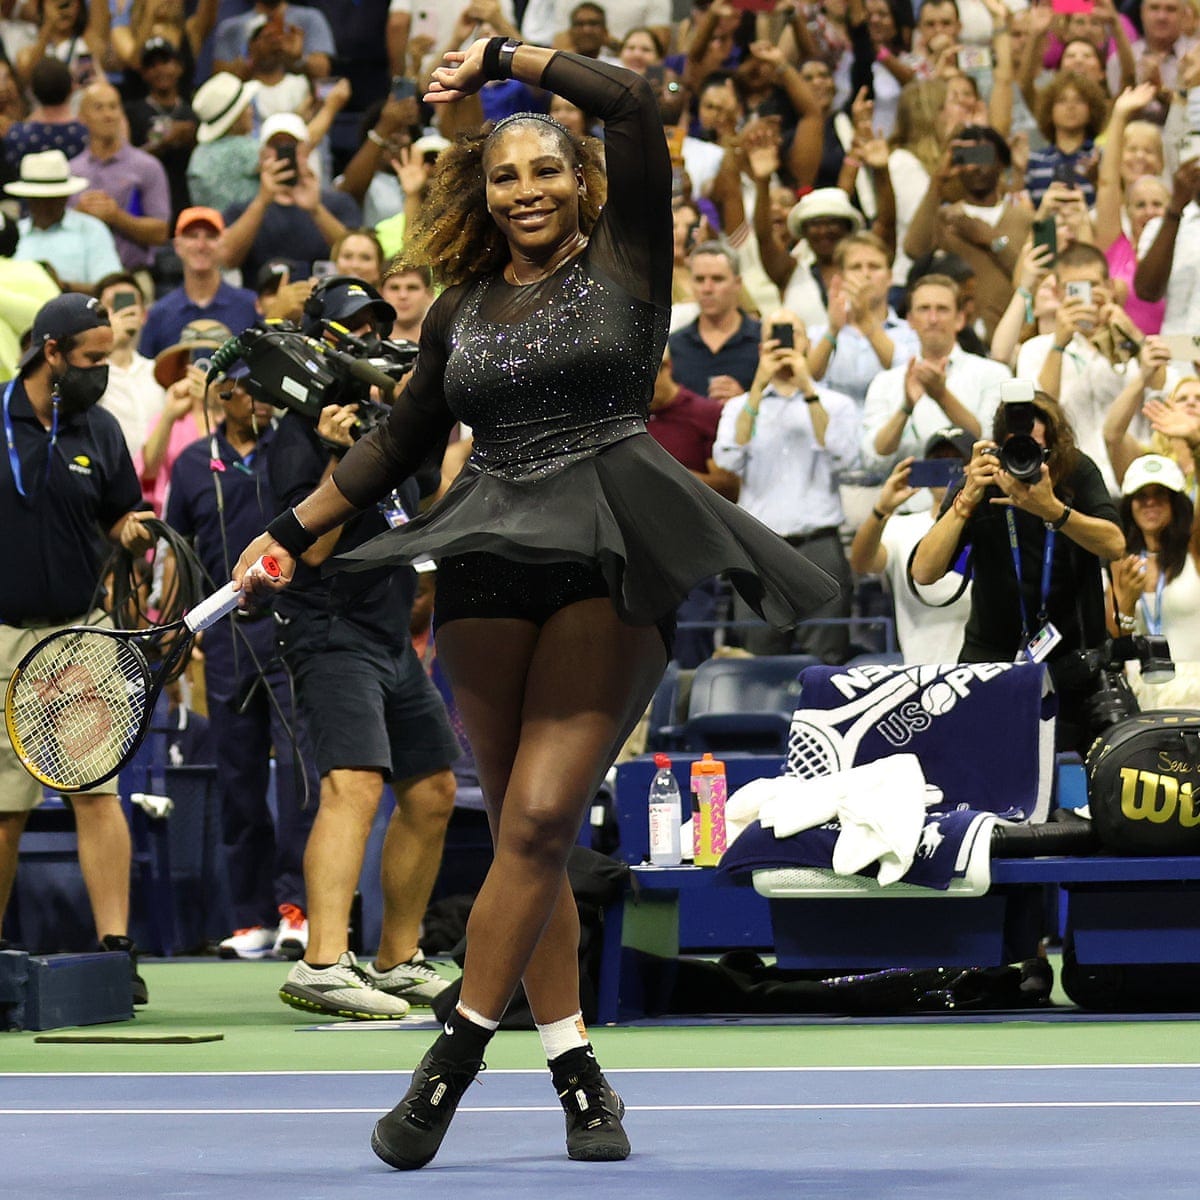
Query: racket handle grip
x,y
224,600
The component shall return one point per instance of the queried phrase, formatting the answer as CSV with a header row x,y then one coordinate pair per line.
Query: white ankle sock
x,y
478,1018
560,1036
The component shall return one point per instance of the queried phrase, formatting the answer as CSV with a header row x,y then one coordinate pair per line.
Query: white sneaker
x,y
343,990
256,942
291,940
415,981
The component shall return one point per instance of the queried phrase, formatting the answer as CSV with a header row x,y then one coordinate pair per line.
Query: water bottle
x,y
709,789
664,808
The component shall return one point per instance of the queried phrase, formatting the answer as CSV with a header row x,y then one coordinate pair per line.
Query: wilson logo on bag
x,y
1142,777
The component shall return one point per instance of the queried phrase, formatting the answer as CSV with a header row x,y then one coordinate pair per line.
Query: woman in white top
x,y
1156,586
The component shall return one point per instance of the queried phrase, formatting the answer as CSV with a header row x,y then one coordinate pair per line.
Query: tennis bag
x,y
1144,783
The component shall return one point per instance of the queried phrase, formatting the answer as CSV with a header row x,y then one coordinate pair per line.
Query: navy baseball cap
x,y
65,315
957,439
344,297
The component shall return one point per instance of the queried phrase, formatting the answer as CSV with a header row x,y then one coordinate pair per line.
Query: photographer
x,y
1037,544
371,709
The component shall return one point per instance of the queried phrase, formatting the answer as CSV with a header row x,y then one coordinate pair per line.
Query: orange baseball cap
x,y
197,216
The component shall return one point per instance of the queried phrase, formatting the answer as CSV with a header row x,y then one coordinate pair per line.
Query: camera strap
x,y
1047,557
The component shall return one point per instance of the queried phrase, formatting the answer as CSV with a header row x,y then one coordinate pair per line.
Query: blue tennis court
x,y
1012,1131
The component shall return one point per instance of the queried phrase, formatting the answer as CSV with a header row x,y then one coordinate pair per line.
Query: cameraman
x,y
372,712
1036,553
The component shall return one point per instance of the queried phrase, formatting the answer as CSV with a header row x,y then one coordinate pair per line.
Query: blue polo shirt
x,y
693,364
376,602
232,306
77,486
192,510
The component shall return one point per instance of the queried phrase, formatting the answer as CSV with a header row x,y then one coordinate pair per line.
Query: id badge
x,y
1040,644
393,510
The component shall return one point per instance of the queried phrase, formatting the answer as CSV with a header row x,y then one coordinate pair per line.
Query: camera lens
x,y
1021,457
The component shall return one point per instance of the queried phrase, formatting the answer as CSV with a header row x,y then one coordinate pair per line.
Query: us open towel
x,y
983,732
942,854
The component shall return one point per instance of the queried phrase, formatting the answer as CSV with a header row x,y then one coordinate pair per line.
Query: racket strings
x,y
809,754
76,707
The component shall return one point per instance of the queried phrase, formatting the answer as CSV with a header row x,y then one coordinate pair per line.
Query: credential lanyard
x,y
14,461
1047,556
1154,620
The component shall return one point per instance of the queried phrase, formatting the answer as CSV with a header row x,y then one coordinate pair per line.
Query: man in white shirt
x,y
787,438
133,395
943,385
929,619
1075,363
545,20
1169,254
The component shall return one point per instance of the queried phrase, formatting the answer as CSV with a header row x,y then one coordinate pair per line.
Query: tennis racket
x,y
817,747
79,703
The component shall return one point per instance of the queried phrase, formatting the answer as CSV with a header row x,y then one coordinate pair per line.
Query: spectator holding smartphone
x,y
304,34
929,620
291,216
787,438
133,395
966,212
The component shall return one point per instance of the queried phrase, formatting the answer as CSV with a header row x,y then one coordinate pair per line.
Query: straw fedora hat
x,y
47,174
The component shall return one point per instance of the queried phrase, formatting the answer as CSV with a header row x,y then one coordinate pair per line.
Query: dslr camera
x,y
1102,671
1019,453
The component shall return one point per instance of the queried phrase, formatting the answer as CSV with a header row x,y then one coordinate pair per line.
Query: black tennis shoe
x,y
409,1136
593,1109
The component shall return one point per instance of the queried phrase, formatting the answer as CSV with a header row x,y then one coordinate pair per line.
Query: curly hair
x,y
455,236
1089,91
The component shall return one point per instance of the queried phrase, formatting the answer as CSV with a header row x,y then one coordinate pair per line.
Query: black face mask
x,y
78,388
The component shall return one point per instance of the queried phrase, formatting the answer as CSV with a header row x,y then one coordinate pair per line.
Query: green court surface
x,y
238,1000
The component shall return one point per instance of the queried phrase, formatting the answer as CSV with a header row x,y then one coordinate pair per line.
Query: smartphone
x,y
1068,7
403,88
1081,289
979,154
654,75
785,335
975,58
1184,347
1045,233
1065,172
322,268
123,300
934,472
286,152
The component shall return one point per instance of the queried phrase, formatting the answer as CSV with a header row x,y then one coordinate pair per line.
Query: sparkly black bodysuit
x,y
554,379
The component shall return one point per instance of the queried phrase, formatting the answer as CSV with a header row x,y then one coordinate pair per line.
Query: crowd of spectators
x,y
884,210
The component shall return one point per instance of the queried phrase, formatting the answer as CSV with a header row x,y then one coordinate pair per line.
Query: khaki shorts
x,y
19,791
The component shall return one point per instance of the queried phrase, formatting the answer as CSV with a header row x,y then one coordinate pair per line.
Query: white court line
x,y
875,1106
541,1071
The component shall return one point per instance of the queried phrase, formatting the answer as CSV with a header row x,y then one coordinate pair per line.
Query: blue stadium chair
x,y
663,717
743,703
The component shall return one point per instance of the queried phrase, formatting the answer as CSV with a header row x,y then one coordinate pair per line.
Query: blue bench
x,y
1113,909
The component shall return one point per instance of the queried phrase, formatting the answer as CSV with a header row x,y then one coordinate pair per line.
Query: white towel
x,y
879,805
882,814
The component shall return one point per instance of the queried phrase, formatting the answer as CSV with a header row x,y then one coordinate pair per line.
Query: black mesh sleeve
x,y
633,241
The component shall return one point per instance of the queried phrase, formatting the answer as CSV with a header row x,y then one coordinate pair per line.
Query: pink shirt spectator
x,y
186,430
1146,315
